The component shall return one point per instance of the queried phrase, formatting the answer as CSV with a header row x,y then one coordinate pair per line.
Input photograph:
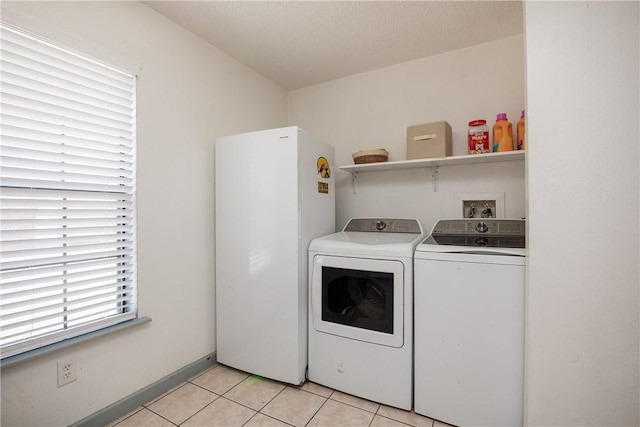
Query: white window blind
x,y
67,201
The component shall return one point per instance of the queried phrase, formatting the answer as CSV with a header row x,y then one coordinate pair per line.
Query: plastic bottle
x,y
521,138
502,134
478,137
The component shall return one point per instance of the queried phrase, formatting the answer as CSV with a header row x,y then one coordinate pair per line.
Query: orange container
x,y
502,134
522,137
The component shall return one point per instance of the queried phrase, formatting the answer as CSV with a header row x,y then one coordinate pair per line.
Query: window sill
x,y
42,351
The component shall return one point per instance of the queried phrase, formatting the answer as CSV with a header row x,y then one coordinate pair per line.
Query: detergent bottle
x,y
502,134
521,138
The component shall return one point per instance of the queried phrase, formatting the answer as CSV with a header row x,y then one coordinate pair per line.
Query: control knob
x,y
482,227
482,241
381,225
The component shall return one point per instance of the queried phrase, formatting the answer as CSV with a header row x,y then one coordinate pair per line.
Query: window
x,y
67,194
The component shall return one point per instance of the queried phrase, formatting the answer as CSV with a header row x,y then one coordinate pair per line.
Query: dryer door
x,y
358,298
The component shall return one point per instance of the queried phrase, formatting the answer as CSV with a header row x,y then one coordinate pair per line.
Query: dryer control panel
x,y
384,225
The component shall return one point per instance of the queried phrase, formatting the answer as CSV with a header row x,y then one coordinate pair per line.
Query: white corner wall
x,y
374,109
188,94
583,160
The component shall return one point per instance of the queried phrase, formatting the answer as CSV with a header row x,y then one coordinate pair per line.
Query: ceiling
x,y
302,43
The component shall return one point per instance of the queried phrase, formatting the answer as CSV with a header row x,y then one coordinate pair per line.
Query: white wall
x,y
583,190
189,93
374,109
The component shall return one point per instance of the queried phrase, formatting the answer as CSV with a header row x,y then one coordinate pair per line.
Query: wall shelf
x,y
434,164
469,159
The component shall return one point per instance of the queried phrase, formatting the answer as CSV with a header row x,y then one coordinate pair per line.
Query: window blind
x,y
67,194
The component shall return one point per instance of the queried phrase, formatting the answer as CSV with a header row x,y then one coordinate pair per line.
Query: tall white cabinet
x,y
274,194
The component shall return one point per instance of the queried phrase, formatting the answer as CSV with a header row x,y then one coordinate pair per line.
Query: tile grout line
x,y
357,407
164,418
218,396
305,391
163,395
189,381
168,393
206,389
154,412
129,415
268,416
326,399
201,409
259,411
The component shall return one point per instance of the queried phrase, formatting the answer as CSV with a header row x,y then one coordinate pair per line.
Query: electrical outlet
x,y
67,371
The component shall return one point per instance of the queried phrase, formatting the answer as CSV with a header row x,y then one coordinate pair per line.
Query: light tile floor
x,y
222,396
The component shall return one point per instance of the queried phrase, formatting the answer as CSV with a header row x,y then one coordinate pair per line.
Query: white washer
x,y
361,309
469,322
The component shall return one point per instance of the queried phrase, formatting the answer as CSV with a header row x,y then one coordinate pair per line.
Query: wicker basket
x,y
370,156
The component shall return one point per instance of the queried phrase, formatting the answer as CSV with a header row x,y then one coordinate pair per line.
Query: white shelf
x,y
505,156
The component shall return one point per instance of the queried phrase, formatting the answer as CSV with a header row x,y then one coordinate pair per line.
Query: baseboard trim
x,y
122,407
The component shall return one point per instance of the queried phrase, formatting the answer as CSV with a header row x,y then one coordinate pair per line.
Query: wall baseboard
x,y
122,407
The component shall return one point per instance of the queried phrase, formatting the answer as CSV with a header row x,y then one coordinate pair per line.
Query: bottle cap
x,y
522,114
501,116
479,122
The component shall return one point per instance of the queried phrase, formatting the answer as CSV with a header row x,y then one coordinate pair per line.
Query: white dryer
x,y
469,322
361,309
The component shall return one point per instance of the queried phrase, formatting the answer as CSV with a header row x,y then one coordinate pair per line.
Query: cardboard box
x,y
429,140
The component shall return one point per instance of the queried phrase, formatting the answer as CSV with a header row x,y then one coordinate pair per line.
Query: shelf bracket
x,y
434,177
353,181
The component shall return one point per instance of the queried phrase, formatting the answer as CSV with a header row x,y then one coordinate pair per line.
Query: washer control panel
x,y
384,225
502,227
506,233
482,227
